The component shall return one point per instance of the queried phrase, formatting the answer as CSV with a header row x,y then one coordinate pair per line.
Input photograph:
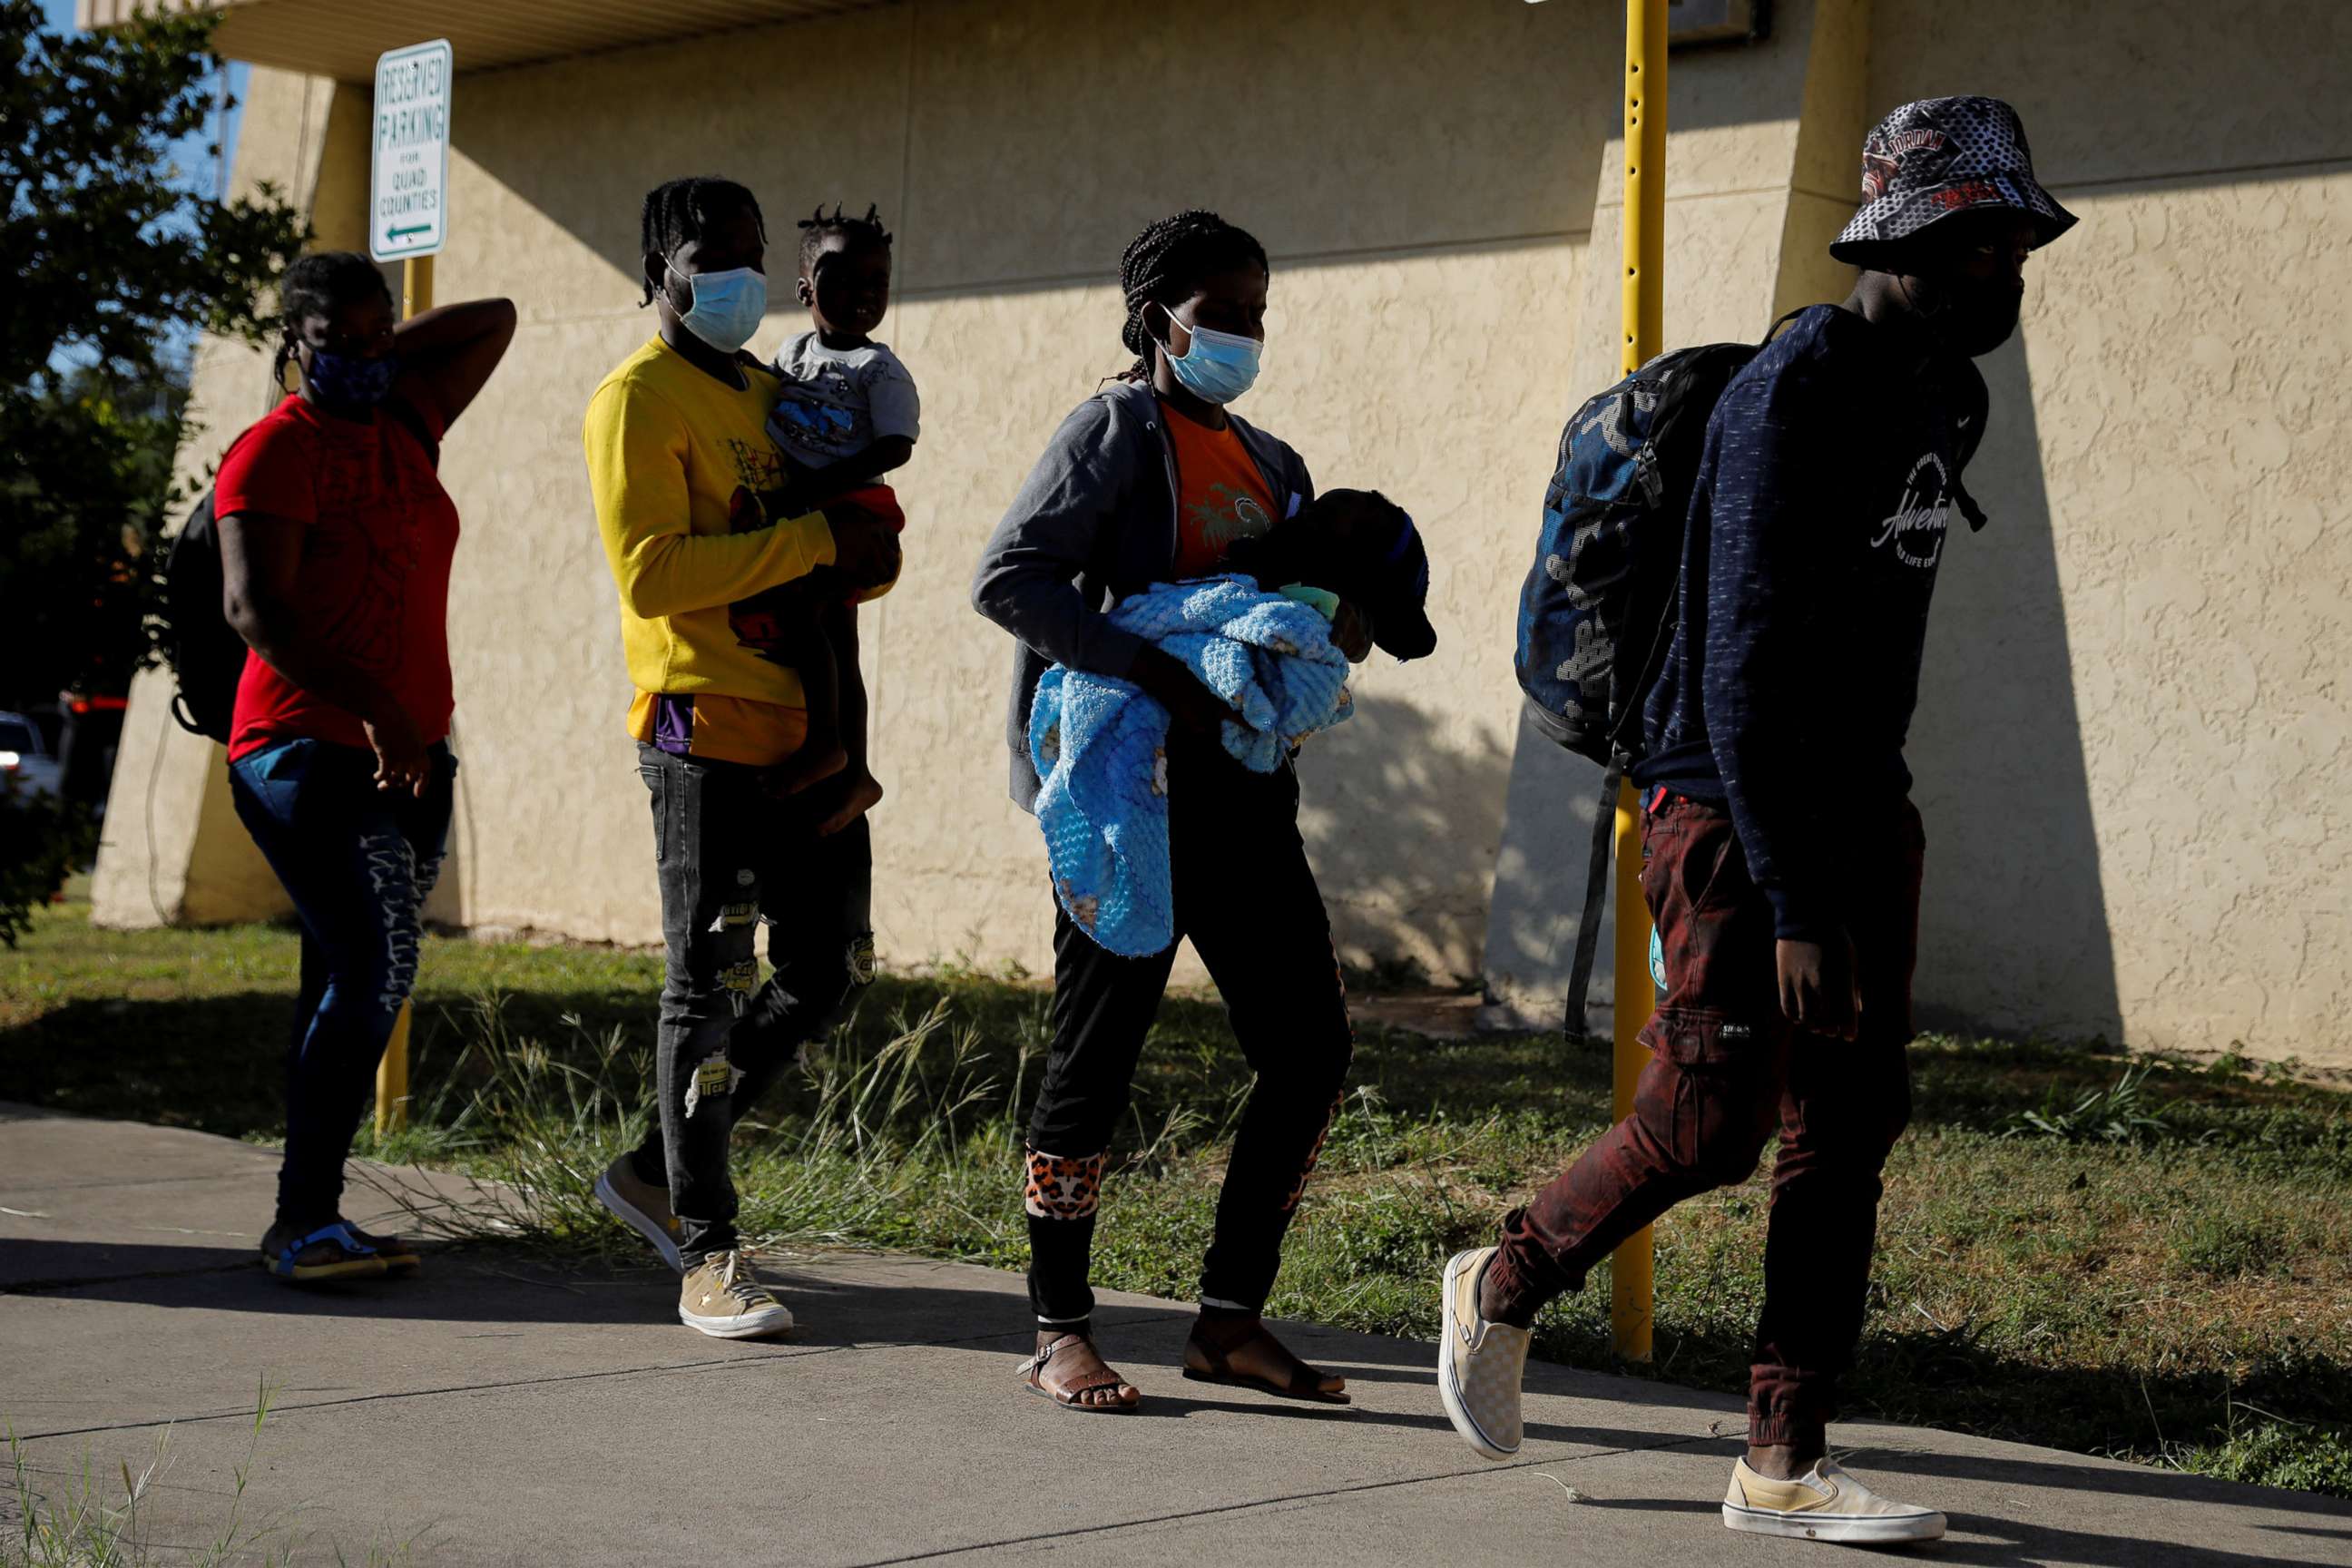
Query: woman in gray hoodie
x,y
1151,480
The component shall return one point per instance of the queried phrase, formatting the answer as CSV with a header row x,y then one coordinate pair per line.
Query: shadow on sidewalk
x,y
842,1300
1375,1359
2009,1543
847,1301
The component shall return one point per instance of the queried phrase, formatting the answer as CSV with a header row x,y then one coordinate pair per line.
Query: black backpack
x,y
1596,614
205,653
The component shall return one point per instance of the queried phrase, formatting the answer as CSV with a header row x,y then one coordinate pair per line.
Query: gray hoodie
x,y
1095,521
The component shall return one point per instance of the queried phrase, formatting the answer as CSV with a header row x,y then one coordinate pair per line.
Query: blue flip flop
x,y
350,1258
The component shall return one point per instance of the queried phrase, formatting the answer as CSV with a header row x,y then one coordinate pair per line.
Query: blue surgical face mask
x,y
1219,366
348,384
727,306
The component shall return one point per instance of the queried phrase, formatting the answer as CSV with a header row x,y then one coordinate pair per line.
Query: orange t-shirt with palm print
x,y
1220,494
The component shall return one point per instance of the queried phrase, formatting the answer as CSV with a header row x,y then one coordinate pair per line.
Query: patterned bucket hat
x,y
1939,156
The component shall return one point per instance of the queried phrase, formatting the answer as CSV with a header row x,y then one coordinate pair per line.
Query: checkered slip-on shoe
x,y
1479,1364
1824,1504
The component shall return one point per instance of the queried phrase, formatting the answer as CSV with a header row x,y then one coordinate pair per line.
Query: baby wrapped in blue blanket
x,y
1099,743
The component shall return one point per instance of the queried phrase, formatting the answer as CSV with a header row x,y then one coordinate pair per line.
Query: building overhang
x,y
342,39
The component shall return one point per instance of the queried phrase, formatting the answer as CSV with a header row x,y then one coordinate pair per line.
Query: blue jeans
x,y
359,863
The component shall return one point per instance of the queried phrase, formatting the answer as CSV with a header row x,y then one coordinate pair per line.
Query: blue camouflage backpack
x,y
1596,614
1597,611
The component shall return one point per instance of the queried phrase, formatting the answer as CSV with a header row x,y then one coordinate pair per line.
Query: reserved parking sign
x,y
409,178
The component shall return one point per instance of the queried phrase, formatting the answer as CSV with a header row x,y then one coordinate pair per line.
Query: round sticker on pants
x,y
1658,963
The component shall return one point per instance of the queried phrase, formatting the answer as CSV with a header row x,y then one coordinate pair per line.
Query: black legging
x,y
1246,897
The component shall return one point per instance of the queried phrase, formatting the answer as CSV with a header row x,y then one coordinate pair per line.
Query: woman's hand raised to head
x,y
447,354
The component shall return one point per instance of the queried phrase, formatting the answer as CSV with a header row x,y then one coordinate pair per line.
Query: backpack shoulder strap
x,y
1596,896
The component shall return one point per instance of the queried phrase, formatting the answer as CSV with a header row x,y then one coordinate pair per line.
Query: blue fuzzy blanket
x,y
1099,745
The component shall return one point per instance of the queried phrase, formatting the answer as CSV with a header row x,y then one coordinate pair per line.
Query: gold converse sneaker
x,y
640,1205
1479,1364
1823,1504
721,1297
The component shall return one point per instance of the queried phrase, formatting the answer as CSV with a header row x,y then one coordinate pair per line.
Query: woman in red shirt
x,y
336,538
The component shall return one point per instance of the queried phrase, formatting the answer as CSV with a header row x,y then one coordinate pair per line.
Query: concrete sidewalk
x,y
498,1410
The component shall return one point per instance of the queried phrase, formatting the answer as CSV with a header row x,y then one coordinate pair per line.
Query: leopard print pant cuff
x,y
1062,1188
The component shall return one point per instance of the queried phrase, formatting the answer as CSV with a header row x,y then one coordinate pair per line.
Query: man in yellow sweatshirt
x,y
685,479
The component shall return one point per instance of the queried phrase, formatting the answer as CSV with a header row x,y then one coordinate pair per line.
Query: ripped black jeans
x,y
731,856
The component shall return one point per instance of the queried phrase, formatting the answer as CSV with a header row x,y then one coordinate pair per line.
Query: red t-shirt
x,y
373,583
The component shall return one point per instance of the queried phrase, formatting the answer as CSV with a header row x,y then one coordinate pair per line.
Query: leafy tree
x,y
117,260
42,839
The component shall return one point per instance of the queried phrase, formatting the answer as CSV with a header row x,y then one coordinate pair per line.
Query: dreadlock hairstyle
x,y
678,211
1165,265
858,233
318,285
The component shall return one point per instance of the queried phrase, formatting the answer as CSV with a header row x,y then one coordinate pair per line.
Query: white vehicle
x,y
25,762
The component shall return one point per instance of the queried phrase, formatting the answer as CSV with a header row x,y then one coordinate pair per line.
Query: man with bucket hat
x,y
1781,853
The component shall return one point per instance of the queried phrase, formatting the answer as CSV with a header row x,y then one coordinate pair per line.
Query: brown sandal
x,y
1032,1373
1304,1382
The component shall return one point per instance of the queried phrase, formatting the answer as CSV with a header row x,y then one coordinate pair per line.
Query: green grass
x,y
2142,1258
85,1516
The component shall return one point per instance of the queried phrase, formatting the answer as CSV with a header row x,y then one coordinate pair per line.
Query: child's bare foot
x,y
860,794
815,761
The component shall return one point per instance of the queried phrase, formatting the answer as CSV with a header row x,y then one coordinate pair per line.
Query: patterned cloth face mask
x,y
1219,366
349,383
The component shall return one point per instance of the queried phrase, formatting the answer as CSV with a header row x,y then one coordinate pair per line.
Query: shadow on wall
x,y
1540,885
2013,934
961,102
1392,811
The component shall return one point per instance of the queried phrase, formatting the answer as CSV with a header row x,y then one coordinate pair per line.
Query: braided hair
x,y
317,287
857,233
1165,266
678,211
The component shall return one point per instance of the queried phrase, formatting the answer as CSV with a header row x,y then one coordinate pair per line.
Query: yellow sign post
x,y
1630,1295
392,1080
416,286
392,1073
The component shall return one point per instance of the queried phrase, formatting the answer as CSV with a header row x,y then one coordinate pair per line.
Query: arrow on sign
x,y
404,233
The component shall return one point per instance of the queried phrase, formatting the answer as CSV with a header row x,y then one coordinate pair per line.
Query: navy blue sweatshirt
x,y
1831,473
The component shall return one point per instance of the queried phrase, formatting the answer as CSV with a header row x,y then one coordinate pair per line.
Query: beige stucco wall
x,y
1426,243
2131,742
2130,747
1743,216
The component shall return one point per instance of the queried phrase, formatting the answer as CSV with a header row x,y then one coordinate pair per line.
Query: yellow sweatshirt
x,y
676,462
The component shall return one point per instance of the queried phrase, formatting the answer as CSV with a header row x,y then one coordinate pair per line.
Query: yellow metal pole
x,y
416,286
1630,1295
391,1080
392,1073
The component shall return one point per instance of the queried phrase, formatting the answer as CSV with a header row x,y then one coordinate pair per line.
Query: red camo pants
x,y
1727,1068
